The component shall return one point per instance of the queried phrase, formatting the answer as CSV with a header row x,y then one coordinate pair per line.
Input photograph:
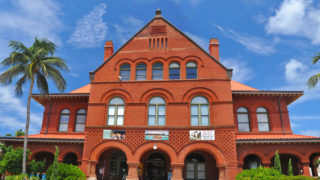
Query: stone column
x,y
177,171
132,170
92,170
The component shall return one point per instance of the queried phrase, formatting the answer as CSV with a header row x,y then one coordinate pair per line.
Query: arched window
x,y
81,120
64,120
199,111
116,111
243,120
192,70
263,120
174,71
251,162
141,71
125,72
157,71
157,112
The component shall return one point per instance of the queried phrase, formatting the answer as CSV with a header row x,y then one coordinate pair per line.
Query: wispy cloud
x,y
296,17
90,30
25,20
199,40
241,72
16,108
192,2
311,132
127,27
308,117
255,44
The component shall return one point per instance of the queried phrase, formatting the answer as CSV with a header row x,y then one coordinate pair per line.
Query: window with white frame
x,y
80,120
243,120
116,111
199,111
157,112
64,120
263,119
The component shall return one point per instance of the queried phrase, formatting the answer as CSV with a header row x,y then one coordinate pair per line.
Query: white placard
x,y
206,135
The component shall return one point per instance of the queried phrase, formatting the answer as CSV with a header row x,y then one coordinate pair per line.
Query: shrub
x,y
66,172
277,163
260,173
19,177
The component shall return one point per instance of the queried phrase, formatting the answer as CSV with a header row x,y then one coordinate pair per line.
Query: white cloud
x,y
260,19
13,112
199,40
90,30
195,2
29,19
310,132
255,44
309,117
295,71
296,17
127,28
241,72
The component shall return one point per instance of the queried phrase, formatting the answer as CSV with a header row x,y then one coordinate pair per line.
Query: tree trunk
x,y
26,131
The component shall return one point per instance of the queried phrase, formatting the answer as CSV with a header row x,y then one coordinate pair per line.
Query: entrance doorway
x,y
155,167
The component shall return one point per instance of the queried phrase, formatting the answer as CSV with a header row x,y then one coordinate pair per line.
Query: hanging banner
x,y
156,135
114,134
207,135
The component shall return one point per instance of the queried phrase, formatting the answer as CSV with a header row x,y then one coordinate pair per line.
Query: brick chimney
x,y
108,50
214,48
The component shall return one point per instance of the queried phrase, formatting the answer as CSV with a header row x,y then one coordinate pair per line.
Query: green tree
x,y
11,160
34,64
55,166
317,163
19,133
277,163
8,135
313,80
290,173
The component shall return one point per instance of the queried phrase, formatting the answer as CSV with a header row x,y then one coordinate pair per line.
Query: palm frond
x,y
57,78
19,85
7,76
313,80
316,58
57,62
42,83
15,58
20,47
45,44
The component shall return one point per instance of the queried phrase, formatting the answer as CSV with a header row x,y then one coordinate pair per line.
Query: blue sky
x,y
269,44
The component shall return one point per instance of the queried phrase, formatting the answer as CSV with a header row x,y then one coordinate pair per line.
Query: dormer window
x,y
157,71
125,72
192,71
141,71
174,71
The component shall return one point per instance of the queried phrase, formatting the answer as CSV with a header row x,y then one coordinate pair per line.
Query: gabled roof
x,y
236,86
275,138
158,16
83,89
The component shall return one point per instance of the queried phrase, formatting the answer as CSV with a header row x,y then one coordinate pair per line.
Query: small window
x,y
157,71
81,120
116,111
174,71
64,120
141,71
263,120
125,72
199,111
243,120
157,112
192,71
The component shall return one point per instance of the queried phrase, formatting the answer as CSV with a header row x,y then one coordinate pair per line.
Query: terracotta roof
x,y
236,86
275,138
83,89
48,138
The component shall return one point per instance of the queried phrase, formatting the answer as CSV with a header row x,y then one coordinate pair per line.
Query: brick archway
x,y
99,149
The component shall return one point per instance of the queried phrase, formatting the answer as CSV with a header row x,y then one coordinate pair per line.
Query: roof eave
x,y
42,140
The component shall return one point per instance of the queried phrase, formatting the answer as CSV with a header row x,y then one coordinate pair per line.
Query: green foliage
x,y
277,163
66,172
8,135
54,172
290,173
19,133
20,177
11,160
317,163
313,80
36,166
260,173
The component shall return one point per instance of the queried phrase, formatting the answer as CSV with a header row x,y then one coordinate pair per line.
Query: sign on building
x,y
156,135
207,135
114,134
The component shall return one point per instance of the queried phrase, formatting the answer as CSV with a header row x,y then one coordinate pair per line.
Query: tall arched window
x,y
243,120
263,120
64,120
157,112
174,71
157,71
81,120
115,111
141,71
125,72
199,111
192,70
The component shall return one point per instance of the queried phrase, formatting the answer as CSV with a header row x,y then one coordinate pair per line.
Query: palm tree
x,y
34,64
313,80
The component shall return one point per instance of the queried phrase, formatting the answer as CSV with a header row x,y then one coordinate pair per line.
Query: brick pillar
x,y
266,164
177,171
132,170
92,170
305,169
221,172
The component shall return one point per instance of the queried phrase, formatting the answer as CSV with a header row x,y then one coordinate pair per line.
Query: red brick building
x,y
162,107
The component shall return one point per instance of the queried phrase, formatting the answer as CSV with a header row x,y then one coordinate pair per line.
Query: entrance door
x,y
118,167
195,167
155,167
